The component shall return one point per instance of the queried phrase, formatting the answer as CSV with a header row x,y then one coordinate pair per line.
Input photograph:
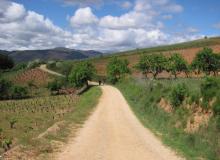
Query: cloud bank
x,y
140,26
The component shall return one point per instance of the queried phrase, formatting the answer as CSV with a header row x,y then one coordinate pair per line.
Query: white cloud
x,y
139,27
10,12
83,16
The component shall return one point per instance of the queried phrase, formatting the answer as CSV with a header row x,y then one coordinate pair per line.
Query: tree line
x,y
206,61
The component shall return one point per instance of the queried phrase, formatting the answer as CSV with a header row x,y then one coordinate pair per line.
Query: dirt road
x,y
113,133
43,67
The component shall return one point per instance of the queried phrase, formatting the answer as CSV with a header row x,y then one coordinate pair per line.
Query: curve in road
x,y
43,67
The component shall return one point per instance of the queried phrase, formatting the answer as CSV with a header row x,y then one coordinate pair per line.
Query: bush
x,y
178,94
209,88
56,85
34,64
18,92
218,123
19,66
216,106
6,144
194,97
4,88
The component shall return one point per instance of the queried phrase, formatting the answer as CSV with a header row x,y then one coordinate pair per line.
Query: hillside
x,y
187,49
51,54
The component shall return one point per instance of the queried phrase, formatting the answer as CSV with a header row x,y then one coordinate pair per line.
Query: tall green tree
x,y
177,64
158,63
81,74
117,68
144,64
206,61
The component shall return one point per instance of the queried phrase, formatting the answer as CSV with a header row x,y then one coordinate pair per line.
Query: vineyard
x,y
22,120
35,76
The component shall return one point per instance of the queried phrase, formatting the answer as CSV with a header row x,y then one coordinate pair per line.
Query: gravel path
x,y
113,132
43,67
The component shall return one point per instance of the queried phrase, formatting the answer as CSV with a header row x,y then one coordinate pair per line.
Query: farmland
x,y
188,50
32,117
30,123
48,112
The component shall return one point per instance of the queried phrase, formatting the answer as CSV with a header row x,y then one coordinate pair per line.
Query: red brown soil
x,y
199,117
188,54
165,105
35,76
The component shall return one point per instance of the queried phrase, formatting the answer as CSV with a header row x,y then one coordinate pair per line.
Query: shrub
x,y
209,88
218,123
178,94
12,122
18,92
56,85
194,98
34,64
5,86
6,144
216,106
19,66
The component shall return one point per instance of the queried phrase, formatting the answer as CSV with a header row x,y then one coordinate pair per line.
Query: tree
x,y
4,88
117,68
6,62
177,64
158,63
81,74
144,64
206,61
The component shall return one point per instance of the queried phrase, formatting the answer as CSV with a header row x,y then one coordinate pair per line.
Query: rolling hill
x,y
51,54
187,49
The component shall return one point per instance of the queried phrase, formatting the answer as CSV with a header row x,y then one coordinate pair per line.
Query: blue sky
x,y
105,25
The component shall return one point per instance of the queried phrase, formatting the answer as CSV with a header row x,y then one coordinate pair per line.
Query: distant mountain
x,y
51,54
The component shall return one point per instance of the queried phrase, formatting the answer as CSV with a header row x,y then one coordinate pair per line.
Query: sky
x,y
105,25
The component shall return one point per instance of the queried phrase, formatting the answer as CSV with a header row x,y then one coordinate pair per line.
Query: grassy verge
x,y
144,96
35,116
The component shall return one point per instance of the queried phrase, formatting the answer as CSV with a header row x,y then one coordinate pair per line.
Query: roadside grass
x,y
82,110
34,116
144,96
